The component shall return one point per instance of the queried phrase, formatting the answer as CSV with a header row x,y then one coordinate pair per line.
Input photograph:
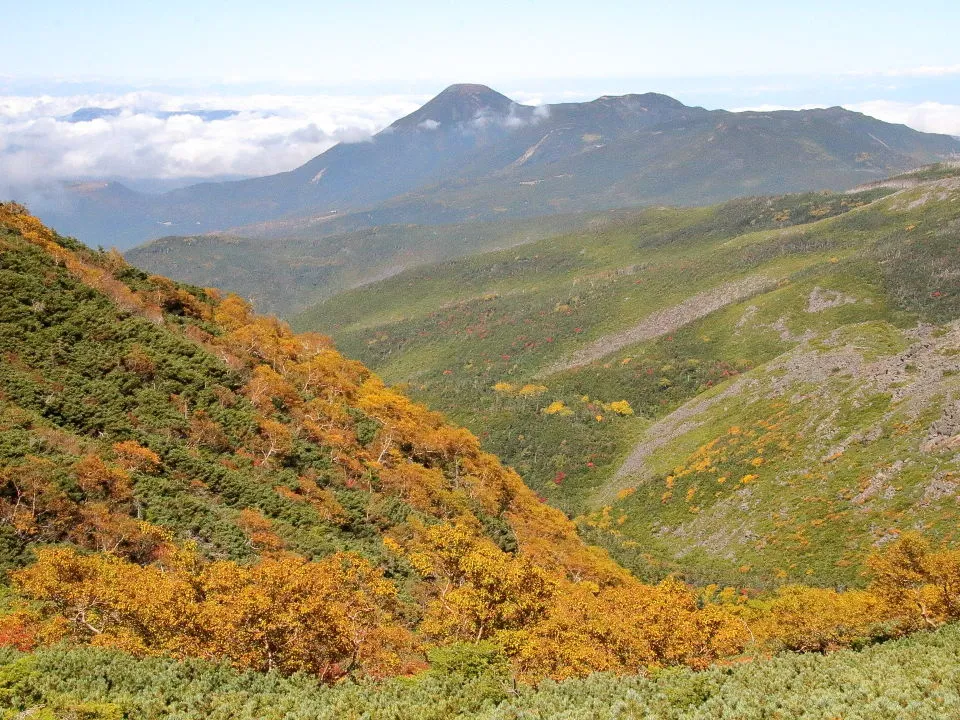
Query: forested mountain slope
x,y
139,415
183,480
287,274
762,391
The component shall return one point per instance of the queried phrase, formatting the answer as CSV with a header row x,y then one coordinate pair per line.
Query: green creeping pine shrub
x,y
916,678
468,661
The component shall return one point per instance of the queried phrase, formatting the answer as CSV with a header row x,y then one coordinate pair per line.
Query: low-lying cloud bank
x,y
148,135
927,116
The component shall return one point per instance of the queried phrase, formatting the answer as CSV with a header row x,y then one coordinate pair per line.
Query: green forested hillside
x,y
309,262
758,392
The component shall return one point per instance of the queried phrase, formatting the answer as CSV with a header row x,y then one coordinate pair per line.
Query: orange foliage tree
x,y
551,626
808,619
330,618
919,587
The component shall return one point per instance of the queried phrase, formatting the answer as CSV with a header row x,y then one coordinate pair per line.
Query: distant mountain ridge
x,y
472,153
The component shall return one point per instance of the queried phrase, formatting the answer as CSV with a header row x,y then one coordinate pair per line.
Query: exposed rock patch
x,y
944,434
943,485
780,326
665,321
880,484
820,300
913,379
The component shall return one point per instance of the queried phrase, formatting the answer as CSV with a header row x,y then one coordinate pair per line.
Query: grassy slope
x,y
454,330
916,678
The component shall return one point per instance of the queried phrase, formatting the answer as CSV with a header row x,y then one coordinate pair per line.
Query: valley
x,y
559,404
724,392
206,513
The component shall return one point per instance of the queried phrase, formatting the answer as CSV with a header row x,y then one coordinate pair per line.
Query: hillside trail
x,y
667,320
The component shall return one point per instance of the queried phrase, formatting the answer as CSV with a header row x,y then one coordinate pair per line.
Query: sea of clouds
x,y
145,135
932,117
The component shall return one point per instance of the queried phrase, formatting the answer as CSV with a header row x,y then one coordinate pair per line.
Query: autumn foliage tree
x,y
330,618
479,589
552,626
918,586
808,619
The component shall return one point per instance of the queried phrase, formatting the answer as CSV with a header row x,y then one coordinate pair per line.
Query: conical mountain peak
x,y
458,104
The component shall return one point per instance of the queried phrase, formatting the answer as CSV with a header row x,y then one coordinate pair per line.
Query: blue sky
x,y
304,75
415,46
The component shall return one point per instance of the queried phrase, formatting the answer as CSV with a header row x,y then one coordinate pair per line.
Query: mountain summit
x,y
458,104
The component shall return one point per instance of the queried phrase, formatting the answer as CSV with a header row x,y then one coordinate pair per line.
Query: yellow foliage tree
x,y
920,587
810,619
480,590
330,618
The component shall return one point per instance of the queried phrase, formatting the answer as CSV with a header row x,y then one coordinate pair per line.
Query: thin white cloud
x,y
926,116
922,71
517,117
